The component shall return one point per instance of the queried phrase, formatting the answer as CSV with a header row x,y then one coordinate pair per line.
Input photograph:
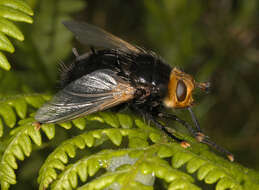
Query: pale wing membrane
x,y
96,91
97,37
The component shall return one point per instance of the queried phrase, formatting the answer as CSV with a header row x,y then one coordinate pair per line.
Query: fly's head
x,y
180,89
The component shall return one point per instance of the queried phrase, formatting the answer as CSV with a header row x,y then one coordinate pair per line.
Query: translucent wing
x,y
96,91
97,37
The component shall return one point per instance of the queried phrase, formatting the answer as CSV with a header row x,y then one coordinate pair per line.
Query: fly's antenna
x,y
205,86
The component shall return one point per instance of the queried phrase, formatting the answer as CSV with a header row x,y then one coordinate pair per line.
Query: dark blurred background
x,y
214,41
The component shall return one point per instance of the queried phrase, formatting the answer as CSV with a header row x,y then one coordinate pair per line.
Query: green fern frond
x,y
209,167
18,146
59,156
15,10
143,167
143,161
15,107
146,145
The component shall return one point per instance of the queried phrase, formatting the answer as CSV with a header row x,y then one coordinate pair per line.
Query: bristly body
x,y
122,74
145,71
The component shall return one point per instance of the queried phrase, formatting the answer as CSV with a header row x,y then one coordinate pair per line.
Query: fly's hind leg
x,y
200,137
83,56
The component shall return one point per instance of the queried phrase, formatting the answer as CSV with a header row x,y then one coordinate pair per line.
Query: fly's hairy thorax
x,y
143,70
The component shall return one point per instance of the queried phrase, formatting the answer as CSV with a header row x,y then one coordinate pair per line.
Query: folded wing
x,y
96,91
97,37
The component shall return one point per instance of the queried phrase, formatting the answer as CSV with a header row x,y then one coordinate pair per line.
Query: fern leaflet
x,y
141,154
15,10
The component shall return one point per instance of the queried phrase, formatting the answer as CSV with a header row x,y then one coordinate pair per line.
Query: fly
x,y
122,74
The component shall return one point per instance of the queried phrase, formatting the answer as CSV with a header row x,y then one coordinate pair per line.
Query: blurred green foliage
x,y
216,41
212,40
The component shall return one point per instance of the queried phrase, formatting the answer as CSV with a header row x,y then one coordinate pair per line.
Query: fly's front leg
x,y
200,137
196,133
195,121
150,117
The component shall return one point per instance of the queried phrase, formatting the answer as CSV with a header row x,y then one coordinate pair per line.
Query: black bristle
x,y
65,70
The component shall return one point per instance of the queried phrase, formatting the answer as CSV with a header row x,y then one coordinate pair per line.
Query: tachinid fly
x,y
122,75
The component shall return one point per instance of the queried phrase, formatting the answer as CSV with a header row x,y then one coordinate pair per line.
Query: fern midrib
x,y
134,169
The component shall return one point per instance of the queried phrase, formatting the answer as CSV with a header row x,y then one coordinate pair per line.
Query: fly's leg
x,y
81,57
195,121
196,133
37,125
229,155
200,137
183,143
150,117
